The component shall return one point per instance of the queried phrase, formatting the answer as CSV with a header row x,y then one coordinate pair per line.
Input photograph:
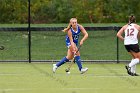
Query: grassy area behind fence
x,y
50,45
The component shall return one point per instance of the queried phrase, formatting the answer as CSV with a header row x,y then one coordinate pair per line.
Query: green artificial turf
x,y
38,78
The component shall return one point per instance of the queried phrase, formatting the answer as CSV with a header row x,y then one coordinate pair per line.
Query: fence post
x,y
29,32
117,41
117,50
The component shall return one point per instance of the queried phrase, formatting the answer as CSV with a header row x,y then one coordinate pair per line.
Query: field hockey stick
x,y
73,60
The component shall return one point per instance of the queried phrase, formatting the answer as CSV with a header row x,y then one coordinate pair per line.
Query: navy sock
x,y
62,62
78,61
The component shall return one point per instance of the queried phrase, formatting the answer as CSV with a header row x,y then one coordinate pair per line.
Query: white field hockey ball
x,y
68,72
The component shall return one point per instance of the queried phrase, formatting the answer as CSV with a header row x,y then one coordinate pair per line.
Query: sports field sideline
x,y
38,78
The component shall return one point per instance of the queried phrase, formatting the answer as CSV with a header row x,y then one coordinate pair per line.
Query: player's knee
x,y
69,57
137,57
78,54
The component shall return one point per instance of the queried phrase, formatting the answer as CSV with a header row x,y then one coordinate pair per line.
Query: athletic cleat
x,y
54,68
128,70
134,74
83,70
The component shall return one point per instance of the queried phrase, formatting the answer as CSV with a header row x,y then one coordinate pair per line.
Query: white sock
x,y
133,69
134,62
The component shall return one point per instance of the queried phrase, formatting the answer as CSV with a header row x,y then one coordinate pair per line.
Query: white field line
x,y
30,89
10,89
10,74
81,88
72,74
120,88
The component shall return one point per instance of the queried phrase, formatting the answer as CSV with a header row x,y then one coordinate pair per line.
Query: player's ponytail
x,y
132,19
67,28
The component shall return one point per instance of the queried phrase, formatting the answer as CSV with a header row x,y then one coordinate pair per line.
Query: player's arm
x,y
84,33
138,28
120,32
139,31
71,41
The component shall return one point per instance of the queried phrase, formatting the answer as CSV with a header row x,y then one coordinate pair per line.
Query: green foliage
x,y
60,11
13,11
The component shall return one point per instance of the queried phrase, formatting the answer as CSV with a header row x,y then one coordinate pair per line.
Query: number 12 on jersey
x,y
130,32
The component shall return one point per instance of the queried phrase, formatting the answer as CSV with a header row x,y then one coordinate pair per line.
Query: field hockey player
x,y
73,31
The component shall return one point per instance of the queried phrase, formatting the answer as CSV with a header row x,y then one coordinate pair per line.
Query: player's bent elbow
x,y
87,35
118,35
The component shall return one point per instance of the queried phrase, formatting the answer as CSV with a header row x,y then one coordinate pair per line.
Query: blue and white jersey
x,y
75,36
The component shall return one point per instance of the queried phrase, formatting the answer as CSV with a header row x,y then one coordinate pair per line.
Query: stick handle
x,y
77,51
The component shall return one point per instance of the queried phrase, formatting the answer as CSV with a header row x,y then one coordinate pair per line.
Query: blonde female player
x,y
73,31
130,39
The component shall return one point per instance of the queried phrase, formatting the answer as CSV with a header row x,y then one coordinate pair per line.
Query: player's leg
x,y
78,61
134,51
135,60
135,74
79,64
63,60
134,63
127,47
133,67
129,69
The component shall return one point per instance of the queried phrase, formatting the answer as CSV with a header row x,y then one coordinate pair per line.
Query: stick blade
x,y
67,70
